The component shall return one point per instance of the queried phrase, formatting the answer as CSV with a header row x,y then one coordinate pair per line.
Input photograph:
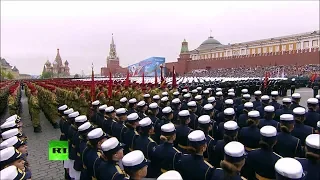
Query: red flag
x,y
92,85
110,85
143,76
126,84
161,74
174,81
155,78
266,78
313,77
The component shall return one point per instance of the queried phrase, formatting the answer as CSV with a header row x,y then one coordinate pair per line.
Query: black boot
x,y
37,129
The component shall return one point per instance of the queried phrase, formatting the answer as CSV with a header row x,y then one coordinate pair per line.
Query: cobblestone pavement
x,y
41,167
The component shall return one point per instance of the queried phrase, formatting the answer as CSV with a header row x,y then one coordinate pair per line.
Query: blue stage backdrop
x,y
148,66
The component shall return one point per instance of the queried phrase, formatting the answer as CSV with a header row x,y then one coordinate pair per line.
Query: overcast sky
x,y
32,31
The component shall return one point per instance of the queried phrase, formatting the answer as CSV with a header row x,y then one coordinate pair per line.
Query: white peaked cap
x,y
211,99
156,97
268,131
109,109
318,124
254,114
229,111
313,141
188,95
133,117
133,100
109,144
166,110
164,93
198,97
234,149
318,96
69,111
95,133
95,103
133,158
219,93
299,111
208,107
176,101
121,111
230,125
153,106
141,103
269,109
12,118
192,104
9,173
244,90
170,175
231,94
194,91
124,99
265,97
296,96
218,89
289,167
164,99
206,92
168,127
145,122
81,119
274,93
62,108
146,95
176,93
313,101
184,113
103,107
204,119
286,117
257,93
286,100
84,126
10,133
228,101
196,135
8,124
247,96
248,104
184,90
74,114
230,90
199,88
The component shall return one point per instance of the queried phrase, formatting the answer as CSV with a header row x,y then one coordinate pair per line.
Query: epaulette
x,y
176,150
299,158
208,163
243,178
150,139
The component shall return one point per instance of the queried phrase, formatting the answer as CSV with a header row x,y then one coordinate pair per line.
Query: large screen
x,y
148,66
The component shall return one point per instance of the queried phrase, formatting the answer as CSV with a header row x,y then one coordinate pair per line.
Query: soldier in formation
x,y
14,151
255,142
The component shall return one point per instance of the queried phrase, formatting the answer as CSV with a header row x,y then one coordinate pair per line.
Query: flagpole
x,y
92,84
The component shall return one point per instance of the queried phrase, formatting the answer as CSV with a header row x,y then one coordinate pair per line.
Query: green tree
x,y
10,75
3,74
76,76
46,75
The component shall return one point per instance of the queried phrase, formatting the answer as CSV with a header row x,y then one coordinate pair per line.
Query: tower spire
x,y
210,33
184,47
112,41
58,58
113,51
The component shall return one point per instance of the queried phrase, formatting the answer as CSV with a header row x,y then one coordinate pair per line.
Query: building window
x,y
271,49
253,51
314,43
305,44
243,52
284,47
290,47
259,50
298,45
265,50
277,48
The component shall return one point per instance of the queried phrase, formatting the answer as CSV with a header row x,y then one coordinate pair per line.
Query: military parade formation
x,y
199,129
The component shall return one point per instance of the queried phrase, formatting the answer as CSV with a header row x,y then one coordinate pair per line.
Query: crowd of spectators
x,y
258,71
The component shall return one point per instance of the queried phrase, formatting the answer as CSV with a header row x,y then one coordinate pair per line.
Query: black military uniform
x,y
300,130
250,136
130,135
315,87
293,86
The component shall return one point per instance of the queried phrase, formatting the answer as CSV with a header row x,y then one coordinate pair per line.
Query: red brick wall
x,y
295,57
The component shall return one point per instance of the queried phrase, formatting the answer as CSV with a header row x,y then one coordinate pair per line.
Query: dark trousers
x,y
315,92
292,90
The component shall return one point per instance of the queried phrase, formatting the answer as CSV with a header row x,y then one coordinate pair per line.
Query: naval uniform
x,y
295,105
256,104
193,121
118,129
111,171
107,125
219,174
218,153
312,118
165,157
157,128
268,122
89,157
283,110
288,145
193,167
275,104
260,164
301,131
250,137
129,138
182,132
100,118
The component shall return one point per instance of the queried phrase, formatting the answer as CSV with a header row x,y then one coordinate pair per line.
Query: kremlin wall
x,y
297,49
